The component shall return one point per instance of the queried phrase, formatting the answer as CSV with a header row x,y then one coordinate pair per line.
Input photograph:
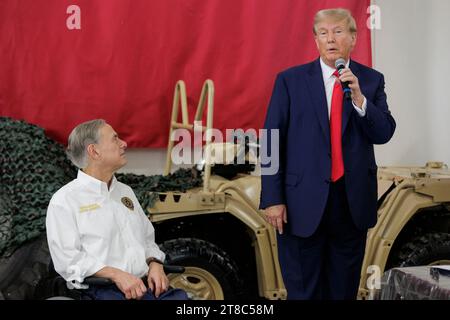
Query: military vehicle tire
x,y
210,272
429,249
21,272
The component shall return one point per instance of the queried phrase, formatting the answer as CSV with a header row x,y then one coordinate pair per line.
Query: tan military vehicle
x,y
413,225
220,235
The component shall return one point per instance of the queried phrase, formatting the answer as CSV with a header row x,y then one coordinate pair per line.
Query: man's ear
x,y
316,41
92,152
353,40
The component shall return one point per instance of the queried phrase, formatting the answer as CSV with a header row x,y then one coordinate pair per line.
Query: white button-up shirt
x,y
328,80
90,227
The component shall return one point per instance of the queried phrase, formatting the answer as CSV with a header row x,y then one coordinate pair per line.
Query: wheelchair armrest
x,y
97,281
173,269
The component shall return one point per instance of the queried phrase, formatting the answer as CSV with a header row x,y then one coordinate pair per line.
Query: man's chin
x,y
122,163
330,59
333,56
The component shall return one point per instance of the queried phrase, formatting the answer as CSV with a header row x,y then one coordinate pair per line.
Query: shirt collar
x,y
327,71
94,184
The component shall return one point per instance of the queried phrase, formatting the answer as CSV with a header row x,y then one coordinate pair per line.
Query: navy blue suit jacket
x,y
298,108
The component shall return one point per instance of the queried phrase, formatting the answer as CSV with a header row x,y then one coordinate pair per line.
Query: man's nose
x,y
330,38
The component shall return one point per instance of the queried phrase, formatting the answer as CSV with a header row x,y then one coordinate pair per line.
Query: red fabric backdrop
x,y
124,62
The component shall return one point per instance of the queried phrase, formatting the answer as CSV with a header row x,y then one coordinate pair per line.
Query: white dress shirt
x,y
329,80
90,227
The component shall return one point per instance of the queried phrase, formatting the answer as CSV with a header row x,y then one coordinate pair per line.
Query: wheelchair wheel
x,y
21,273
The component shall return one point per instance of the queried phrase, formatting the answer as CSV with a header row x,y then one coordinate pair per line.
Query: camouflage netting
x,y
33,167
180,180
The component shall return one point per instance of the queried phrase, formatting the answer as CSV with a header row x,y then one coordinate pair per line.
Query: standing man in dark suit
x,y
323,198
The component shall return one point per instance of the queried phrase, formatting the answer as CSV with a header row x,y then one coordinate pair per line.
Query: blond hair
x,y
338,14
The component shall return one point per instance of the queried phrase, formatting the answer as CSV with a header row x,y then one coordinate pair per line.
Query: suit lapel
x,y
318,96
347,107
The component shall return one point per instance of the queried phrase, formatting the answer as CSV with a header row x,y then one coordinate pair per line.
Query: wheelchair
x,y
54,287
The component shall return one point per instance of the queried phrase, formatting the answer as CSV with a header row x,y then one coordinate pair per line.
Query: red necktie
x,y
337,162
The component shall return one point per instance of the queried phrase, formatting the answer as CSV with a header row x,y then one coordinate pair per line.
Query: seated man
x,y
95,225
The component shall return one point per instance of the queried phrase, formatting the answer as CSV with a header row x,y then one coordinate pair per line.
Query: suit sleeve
x,y
273,146
378,123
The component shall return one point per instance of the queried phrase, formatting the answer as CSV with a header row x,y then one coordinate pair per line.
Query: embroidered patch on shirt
x,y
89,207
127,203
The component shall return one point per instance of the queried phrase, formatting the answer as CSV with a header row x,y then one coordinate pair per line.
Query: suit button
x,y
329,154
